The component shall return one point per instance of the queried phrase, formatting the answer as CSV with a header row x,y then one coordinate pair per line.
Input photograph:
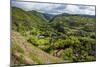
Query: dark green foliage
x,y
73,34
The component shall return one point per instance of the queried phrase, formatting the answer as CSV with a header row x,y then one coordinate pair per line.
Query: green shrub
x,y
68,54
90,58
21,59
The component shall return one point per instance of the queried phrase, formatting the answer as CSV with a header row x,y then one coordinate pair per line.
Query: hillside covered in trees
x,y
39,38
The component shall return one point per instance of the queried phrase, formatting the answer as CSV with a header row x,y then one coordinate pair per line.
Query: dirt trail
x,y
32,54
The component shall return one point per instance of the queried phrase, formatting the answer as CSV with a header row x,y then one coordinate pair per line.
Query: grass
x,y
34,54
21,61
16,47
36,58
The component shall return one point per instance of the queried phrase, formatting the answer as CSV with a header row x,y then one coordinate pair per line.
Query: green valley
x,y
39,38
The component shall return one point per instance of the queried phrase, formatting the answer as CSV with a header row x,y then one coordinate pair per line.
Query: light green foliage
x,y
72,40
73,34
38,41
68,54
60,43
69,41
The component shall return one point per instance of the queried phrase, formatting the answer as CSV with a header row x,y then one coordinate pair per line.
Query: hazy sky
x,y
55,8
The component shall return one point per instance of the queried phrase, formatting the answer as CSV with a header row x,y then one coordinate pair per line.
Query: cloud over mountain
x,y
55,8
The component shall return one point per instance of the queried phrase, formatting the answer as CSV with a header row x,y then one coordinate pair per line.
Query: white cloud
x,y
55,8
80,9
88,2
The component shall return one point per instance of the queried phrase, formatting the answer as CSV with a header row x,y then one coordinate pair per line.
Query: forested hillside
x,y
59,38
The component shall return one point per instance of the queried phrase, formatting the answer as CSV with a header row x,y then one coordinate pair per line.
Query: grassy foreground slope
x,y
25,53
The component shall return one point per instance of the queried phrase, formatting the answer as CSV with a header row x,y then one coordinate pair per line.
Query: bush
x,y
60,43
68,54
33,40
90,58
73,41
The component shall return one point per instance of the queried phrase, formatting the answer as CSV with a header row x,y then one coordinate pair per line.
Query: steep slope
x,y
25,53
24,20
40,15
48,16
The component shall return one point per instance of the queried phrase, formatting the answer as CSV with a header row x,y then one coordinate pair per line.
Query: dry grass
x,y
29,54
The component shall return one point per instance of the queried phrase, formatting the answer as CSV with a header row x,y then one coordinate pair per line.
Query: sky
x,y
55,8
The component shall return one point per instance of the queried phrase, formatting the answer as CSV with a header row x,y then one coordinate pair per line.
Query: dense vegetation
x,y
68,37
